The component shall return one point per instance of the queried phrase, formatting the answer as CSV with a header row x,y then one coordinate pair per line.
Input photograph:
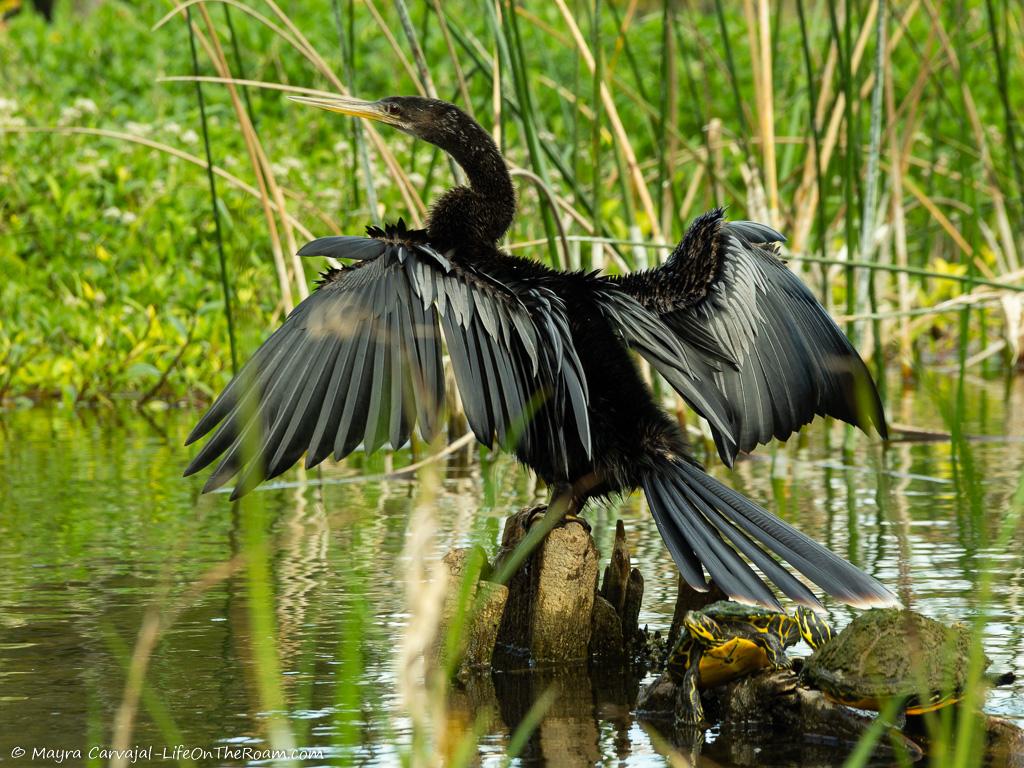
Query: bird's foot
x,y
572,517
537,513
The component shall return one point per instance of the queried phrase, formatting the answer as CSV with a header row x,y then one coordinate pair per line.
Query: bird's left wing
x,y
690,372
360,362
779,358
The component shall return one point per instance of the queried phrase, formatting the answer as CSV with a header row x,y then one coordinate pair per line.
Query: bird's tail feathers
x,y
706,526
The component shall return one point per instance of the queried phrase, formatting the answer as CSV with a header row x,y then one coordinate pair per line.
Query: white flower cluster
x,y
138,129
187,136
7,117
72,113
285,165
116,214
90,162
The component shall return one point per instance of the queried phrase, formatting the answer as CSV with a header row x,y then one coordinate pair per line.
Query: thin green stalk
x,y
417,53
225,285
697,105
969,230
812,100
530,722
741,115
351,662
256,547
261,617
868,214
510,45
920,272
346,39
575,118
627,49
664,103
636,259
917,271
156,707
421,68
595,134
626,193
865,747
634,67
1002,80
776,35
239,66
844,49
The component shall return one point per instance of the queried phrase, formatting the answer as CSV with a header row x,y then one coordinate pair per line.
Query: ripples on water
x,y
97,527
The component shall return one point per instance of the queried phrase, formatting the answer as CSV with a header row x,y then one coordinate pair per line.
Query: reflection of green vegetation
x,y
108,245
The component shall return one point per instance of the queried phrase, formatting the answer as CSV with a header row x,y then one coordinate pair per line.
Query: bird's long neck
x,y
482,212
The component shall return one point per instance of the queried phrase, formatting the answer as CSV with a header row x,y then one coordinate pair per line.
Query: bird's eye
x,y
390,108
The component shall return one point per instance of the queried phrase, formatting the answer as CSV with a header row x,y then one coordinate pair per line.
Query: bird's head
x,y
431,120
480,212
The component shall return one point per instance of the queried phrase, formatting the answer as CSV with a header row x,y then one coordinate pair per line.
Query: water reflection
x,y
97,527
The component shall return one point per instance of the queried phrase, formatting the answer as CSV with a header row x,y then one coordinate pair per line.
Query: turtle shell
x,y
730,612
729,660
886,653
741,650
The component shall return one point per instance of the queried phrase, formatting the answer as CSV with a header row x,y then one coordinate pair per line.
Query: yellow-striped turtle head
x,y
702,627
814,629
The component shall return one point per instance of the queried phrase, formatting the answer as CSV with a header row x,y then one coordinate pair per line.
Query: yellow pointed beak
x,y
346,105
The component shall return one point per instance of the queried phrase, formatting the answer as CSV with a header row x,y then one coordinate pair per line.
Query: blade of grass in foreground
x,y
261,618
256,549
157,710
865,748
530,722
348,700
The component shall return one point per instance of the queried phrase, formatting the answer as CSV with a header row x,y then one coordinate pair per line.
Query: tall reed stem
x,y
214,206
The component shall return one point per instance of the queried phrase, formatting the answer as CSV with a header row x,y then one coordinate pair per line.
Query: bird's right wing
x,y
360,362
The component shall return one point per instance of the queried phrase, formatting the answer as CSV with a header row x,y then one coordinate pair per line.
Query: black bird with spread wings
x,y
543,364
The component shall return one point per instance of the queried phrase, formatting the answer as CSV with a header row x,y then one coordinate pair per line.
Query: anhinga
x,y
542,363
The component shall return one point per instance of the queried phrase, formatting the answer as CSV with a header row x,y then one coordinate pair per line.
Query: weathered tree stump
x,y
616,631
474,605
551,595
551,610
769,702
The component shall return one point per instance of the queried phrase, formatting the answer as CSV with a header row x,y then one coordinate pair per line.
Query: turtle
x,y
726,640
893,653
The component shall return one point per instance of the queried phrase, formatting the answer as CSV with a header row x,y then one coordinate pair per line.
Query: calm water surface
x,y
97,528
